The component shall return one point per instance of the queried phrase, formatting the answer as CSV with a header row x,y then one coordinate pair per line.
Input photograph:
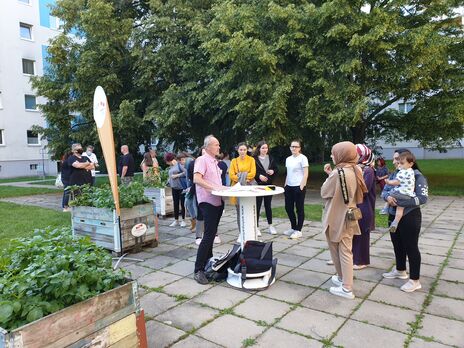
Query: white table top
x,y
248,191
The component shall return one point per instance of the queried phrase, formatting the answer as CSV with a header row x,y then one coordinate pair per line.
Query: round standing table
x,y
247,206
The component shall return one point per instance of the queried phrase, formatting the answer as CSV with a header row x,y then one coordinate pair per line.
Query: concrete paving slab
x,y
230,331
161,335
451,289
269,310
369,274
307,278
386,316
395,296
419,343
287,292
304,251
155,303
138,271
222,297
282,270
290,260
311,323
187,287
159,262
443,330
318,265
193,341
157,279
456,263
326,302
181,253
355,334
182,268
446,307
453,274
188,315
280,338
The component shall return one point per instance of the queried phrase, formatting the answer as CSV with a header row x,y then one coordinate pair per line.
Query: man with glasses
x,y
295,188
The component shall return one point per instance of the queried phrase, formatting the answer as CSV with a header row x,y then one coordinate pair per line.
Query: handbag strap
x,y
341,175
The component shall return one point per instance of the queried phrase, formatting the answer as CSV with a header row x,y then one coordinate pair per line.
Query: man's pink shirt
x,y
207,166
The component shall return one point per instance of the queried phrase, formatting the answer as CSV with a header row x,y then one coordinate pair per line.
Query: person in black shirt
x,y
66,170
126,167
80,167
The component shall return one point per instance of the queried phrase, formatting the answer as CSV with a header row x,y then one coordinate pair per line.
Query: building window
x,y
32,138
28,67
33,166
30,102
2,139
25,1
404,108
1,100
25,31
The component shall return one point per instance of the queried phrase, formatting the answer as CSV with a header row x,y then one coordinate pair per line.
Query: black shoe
x,y
201,278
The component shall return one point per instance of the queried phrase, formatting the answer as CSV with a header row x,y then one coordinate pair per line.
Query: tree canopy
x,y
324,71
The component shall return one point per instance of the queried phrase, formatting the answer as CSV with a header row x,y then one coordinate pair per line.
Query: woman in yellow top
x,y
242,170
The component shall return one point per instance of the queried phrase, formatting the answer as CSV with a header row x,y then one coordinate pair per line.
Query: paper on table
x,y
239,188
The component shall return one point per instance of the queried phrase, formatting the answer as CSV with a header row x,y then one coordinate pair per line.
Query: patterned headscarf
x,y
366,157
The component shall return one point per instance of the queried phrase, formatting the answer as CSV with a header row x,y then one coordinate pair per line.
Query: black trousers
x,y
267,207
212,216
178,197
294,198
406,242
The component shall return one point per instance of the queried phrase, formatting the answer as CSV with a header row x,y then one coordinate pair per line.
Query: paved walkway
x,y
298,310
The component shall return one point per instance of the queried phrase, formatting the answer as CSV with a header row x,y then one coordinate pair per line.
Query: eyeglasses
x,y
294,147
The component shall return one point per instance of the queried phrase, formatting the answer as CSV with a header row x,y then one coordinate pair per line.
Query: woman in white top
x,y
295,188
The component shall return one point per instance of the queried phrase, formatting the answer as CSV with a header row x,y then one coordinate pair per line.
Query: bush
x,y
102,197
50,271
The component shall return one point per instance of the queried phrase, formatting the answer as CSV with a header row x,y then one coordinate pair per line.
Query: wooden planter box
x,y
112,319
101,225
162,198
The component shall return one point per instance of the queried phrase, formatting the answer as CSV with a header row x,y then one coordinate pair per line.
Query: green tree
x,y
93,49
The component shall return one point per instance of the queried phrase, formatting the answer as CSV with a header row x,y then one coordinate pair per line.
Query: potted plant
x,y
156,189
93,214
58,290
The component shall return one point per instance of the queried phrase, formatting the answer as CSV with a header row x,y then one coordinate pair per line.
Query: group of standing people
x,y
350,186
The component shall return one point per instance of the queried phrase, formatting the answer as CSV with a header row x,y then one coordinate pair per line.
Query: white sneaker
x,y
395,274
217,240
336,280
183,224
411,286
258,232
329,262
174,223
198,241
342,292
272,230
296,235
289,232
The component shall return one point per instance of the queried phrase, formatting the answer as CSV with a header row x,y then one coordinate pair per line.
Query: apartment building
x,y
26,27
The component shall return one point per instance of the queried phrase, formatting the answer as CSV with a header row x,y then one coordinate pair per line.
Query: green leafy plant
x,y
102,197
157,178
50,271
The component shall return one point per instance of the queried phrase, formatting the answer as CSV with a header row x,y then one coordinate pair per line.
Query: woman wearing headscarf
x,y
367,223
339,230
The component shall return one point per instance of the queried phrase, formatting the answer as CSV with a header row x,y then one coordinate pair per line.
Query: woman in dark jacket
x,y
406,239
66,170
266,170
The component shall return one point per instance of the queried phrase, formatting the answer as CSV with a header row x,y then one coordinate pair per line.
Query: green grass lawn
x,y
21,220
26,178
13,191
313,212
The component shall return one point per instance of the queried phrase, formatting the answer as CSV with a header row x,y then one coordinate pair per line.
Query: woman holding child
x,y
405,235
345,182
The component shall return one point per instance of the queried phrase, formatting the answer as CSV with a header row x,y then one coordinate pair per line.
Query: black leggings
x,y
294,198
178,197
267,207
406,242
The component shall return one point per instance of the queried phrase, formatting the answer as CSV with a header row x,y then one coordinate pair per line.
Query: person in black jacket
x,y
66,170
266,170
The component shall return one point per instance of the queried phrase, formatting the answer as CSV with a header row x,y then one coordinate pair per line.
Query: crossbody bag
x,y
353,213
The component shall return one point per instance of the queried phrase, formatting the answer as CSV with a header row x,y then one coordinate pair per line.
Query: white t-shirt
x,y
92,159
295,169
407,182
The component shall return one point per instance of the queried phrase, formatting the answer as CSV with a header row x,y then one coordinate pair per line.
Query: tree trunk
x,y
358,133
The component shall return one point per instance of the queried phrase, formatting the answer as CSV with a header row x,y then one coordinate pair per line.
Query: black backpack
x,y
216,267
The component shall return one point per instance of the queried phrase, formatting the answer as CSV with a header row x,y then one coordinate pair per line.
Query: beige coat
x,y
334,214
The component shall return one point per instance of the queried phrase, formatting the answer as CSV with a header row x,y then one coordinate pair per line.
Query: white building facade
x,y
26,27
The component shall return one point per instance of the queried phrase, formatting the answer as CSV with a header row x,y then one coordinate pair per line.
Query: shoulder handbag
x,y
353,213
